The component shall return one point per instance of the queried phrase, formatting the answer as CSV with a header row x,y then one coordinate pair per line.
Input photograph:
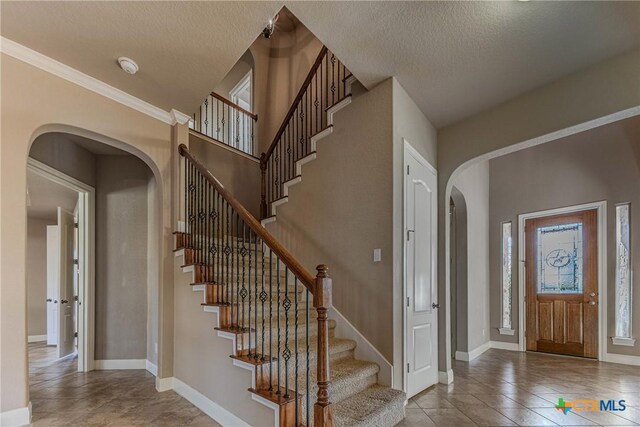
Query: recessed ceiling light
x,y
128,65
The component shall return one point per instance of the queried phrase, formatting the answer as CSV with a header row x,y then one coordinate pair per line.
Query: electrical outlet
x,y
377,255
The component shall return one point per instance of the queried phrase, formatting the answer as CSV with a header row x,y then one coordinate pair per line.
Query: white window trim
x,y
627,341
504,330
246,80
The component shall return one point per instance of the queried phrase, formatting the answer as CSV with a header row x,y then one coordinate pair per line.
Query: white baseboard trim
x,y
364,349
16,417
164,384
152,368
511,346
469,356
206,405
622,359
445,377
36,338
103,365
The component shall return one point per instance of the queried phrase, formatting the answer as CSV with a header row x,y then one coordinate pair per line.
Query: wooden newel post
x,y
263,186
322,413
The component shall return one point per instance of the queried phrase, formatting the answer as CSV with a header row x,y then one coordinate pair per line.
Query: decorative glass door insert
x,y
559,260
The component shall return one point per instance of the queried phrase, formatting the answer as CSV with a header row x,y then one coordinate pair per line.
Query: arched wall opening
x,y
458,265
124,303
586,155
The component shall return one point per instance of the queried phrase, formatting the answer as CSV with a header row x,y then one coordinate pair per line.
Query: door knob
x,y
64,301
593,294
49,300
592,302
434,305
55,301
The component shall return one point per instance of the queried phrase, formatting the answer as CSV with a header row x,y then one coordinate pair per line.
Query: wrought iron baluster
x,y
278,320
271,320
286,354
240,304
295,299
255,292
263,298
245,279
308,294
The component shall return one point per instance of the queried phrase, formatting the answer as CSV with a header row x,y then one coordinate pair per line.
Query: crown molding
x,y
178,118
50,65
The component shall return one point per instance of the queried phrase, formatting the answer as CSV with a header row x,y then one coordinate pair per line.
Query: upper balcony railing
x,y
226,122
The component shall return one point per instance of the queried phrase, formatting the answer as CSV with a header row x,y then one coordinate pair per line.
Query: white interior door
x,y
53,278
66,324
421,286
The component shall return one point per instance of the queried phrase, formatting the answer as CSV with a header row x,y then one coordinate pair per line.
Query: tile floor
x,y
500,388
61,396
505,388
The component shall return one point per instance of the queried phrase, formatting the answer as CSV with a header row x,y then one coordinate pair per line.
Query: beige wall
x,y
351,196
281,65
55,150
202,357
473,183
346,198
37,275
410,124
593,93
64,105
591,166
239,174
244,65
121,258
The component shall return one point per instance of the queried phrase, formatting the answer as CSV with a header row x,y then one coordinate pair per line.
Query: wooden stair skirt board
x,y
356,396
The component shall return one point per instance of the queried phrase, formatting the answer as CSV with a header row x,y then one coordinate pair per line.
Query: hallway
x,y
62,396
508,388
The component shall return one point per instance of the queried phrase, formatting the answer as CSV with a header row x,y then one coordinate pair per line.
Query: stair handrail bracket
x,y
254,281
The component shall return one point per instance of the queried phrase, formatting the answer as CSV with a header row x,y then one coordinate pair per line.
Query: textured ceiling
x,y
454,58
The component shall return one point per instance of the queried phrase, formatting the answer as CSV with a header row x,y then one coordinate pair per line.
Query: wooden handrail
x,y
296,268
297,99
234,105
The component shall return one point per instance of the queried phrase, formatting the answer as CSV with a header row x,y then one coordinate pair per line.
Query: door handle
x,y
592,303
593,294
49,300
434,305
55,301
64,301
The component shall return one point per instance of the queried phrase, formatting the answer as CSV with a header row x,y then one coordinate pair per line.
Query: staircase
x,y
275,313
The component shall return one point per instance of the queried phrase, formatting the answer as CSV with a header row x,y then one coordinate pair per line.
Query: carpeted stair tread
x,y
376,406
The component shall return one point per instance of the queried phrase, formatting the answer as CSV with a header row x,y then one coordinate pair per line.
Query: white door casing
x,y
66,323
421,316
53,278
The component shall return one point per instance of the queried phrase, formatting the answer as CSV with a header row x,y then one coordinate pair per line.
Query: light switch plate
x,y
377,255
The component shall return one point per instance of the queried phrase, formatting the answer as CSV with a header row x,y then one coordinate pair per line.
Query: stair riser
x,y
255,340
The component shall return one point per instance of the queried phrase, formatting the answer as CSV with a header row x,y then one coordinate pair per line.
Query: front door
x,y
562,284
421,286
66,324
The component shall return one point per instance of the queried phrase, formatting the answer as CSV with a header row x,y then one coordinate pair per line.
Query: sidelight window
x,y
507,252
623,275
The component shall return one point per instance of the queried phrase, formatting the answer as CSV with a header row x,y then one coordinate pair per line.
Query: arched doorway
x,y
116,273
